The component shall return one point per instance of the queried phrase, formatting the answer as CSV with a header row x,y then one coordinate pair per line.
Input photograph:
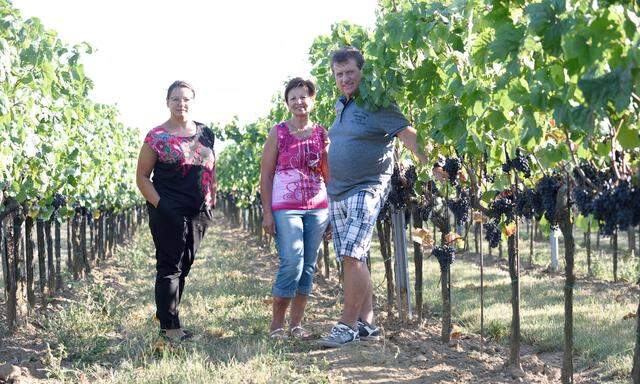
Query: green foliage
x,y
239,164
53,138
480,79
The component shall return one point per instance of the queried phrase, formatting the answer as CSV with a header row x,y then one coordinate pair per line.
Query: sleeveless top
x,y
184,169
298,181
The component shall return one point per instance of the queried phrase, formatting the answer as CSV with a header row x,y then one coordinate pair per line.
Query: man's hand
x,y
409,139
442,175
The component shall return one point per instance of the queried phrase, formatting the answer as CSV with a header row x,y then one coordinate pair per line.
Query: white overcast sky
x,y
236,53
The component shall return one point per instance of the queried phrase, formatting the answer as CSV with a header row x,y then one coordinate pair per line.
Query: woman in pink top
x,y
293,176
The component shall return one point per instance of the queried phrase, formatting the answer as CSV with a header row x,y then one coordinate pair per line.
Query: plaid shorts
x,y
352,221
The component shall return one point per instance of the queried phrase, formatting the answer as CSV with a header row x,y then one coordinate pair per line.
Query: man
x,y
360,164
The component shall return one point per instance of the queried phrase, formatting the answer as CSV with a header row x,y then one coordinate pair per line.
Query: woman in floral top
x,y
179,153
293,173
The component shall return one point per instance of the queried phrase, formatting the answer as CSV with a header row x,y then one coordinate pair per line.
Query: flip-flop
x,y
300,333
278,334
186,337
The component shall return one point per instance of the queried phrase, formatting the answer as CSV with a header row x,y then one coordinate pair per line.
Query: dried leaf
x,y
456,335
509,229
267,301
506,192
479,217
159,346
451,237
423,237
629,315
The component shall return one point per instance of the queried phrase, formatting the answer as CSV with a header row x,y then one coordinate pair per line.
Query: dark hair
x,y
180,84
299,82
345,54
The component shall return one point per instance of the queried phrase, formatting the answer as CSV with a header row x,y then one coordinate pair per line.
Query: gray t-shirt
x,y
361,149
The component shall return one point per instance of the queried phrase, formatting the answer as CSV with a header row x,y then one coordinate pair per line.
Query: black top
x,y
184,170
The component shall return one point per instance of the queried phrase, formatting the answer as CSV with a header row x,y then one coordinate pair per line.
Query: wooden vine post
x,y
401,264
565,221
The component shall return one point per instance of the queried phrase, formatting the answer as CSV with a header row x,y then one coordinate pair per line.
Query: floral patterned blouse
x,y
298,181
185,168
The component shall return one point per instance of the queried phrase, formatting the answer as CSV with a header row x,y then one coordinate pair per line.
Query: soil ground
x,y
411,351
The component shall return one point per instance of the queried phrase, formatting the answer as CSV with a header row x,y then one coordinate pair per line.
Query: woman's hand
x,y
269,224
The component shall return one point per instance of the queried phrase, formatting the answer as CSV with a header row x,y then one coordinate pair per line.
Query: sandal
x,y
278,334
187,336
300,333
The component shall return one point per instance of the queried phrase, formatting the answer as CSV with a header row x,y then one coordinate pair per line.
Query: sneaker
x,y
368,332
340,335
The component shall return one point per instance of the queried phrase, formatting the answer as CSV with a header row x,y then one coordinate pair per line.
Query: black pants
x,y
177,239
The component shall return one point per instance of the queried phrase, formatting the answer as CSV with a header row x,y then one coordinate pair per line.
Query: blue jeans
x,y
298,237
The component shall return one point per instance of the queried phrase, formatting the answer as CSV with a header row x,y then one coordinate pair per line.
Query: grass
x,y
601,337
107,333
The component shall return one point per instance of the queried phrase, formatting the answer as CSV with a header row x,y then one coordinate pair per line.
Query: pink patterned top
x,y
298,182
185,168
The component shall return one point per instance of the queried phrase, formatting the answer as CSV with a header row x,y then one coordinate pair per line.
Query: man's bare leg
x,y
357,284
366,310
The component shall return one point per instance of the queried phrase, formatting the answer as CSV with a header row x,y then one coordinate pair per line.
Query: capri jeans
x,y
298,237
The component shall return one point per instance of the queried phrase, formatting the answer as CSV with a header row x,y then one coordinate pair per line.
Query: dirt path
x,y
409,353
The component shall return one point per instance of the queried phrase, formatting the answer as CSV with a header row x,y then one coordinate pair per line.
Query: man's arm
x,y
409,138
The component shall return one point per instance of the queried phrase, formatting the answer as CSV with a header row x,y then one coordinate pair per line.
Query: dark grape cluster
x,y
519,163
452,165
616,206
385,211
460,207
402,182
428,199
529,204
626,199
604,210
547,187
587,178
612,201
583,197
492,234
58,201
504,204
590,172
445,254
490,178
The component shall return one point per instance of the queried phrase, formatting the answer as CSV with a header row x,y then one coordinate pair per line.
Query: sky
x,y
237,54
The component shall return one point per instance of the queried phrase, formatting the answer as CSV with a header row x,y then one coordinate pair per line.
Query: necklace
x,y
301,132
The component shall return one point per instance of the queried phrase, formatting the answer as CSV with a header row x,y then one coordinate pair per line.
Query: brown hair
x,y
345,54
299,82
180,84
